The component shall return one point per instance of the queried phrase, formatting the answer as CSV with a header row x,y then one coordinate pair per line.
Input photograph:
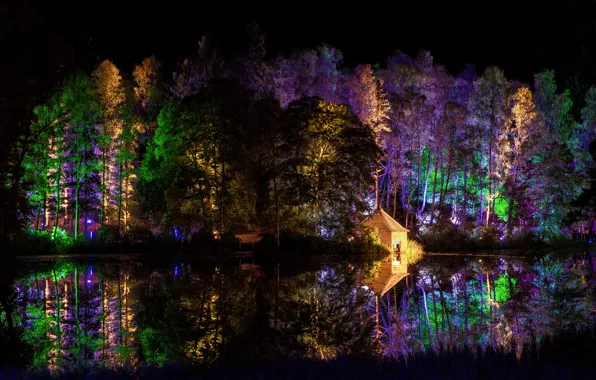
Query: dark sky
x,y
522,39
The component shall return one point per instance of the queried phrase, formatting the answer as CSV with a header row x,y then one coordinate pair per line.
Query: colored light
x,y
88,281
89,221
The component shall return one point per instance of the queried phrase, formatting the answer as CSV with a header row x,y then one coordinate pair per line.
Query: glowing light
x,y
88,281
89,221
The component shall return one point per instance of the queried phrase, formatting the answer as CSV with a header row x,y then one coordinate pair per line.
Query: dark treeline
x,y
297,143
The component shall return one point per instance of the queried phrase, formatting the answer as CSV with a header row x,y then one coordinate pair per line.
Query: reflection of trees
x,y
67,316
179,318
320,313
505,304
66,313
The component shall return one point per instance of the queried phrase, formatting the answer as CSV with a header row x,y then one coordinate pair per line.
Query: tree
x,y
25,82
368,102
149,94
329,170
81,139
190,160
520,142
488,111
562,159
195,74
110,97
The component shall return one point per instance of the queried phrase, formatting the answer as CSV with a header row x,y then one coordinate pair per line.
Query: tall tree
x,y
519,143
489,111
332,153
110,97
81,139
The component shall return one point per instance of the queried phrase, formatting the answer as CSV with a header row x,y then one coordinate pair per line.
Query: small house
x,y
246,244
390,232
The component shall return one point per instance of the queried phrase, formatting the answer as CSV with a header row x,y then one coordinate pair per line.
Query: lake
x,y
73,313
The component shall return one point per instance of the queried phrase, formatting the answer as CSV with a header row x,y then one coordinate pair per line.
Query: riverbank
x,y
38,243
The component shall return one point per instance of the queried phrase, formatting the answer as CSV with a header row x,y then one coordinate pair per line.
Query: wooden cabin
x,y
390,232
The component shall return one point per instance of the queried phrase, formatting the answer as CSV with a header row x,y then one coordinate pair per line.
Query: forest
x,y
303,144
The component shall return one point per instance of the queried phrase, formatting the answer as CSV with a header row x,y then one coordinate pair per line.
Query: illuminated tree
x,y
520,142
369,103
488,111
110,97
148,91
81,139
308,73
188,160
195,74
331,155
559,179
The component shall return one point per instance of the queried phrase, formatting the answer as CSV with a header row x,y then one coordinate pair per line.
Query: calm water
x,y
130,312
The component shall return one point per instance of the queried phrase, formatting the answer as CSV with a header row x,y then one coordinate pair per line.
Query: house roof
x,y
249,238
381,221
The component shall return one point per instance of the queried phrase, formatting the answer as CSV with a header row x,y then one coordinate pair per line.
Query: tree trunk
x,y
103,187
480,216
119,309
103,319
509,217
276,209
432,278
445,312
430,340
464,210
119,198
422,207
394,196
38,217
444,187
58,198
377,205
46,211
76,218
58,331
432,212
125,199
409,200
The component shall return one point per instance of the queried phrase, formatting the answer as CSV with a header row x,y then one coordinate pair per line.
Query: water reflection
x,y
127,314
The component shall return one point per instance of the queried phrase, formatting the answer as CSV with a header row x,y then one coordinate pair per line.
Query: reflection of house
x,y
390,232
389,274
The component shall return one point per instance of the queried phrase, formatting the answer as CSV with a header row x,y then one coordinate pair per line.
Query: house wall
x,y
402,237
386,238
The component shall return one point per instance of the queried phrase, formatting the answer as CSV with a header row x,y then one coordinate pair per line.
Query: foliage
x,y
294,142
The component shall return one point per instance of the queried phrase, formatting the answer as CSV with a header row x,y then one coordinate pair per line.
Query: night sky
x,y
522,39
